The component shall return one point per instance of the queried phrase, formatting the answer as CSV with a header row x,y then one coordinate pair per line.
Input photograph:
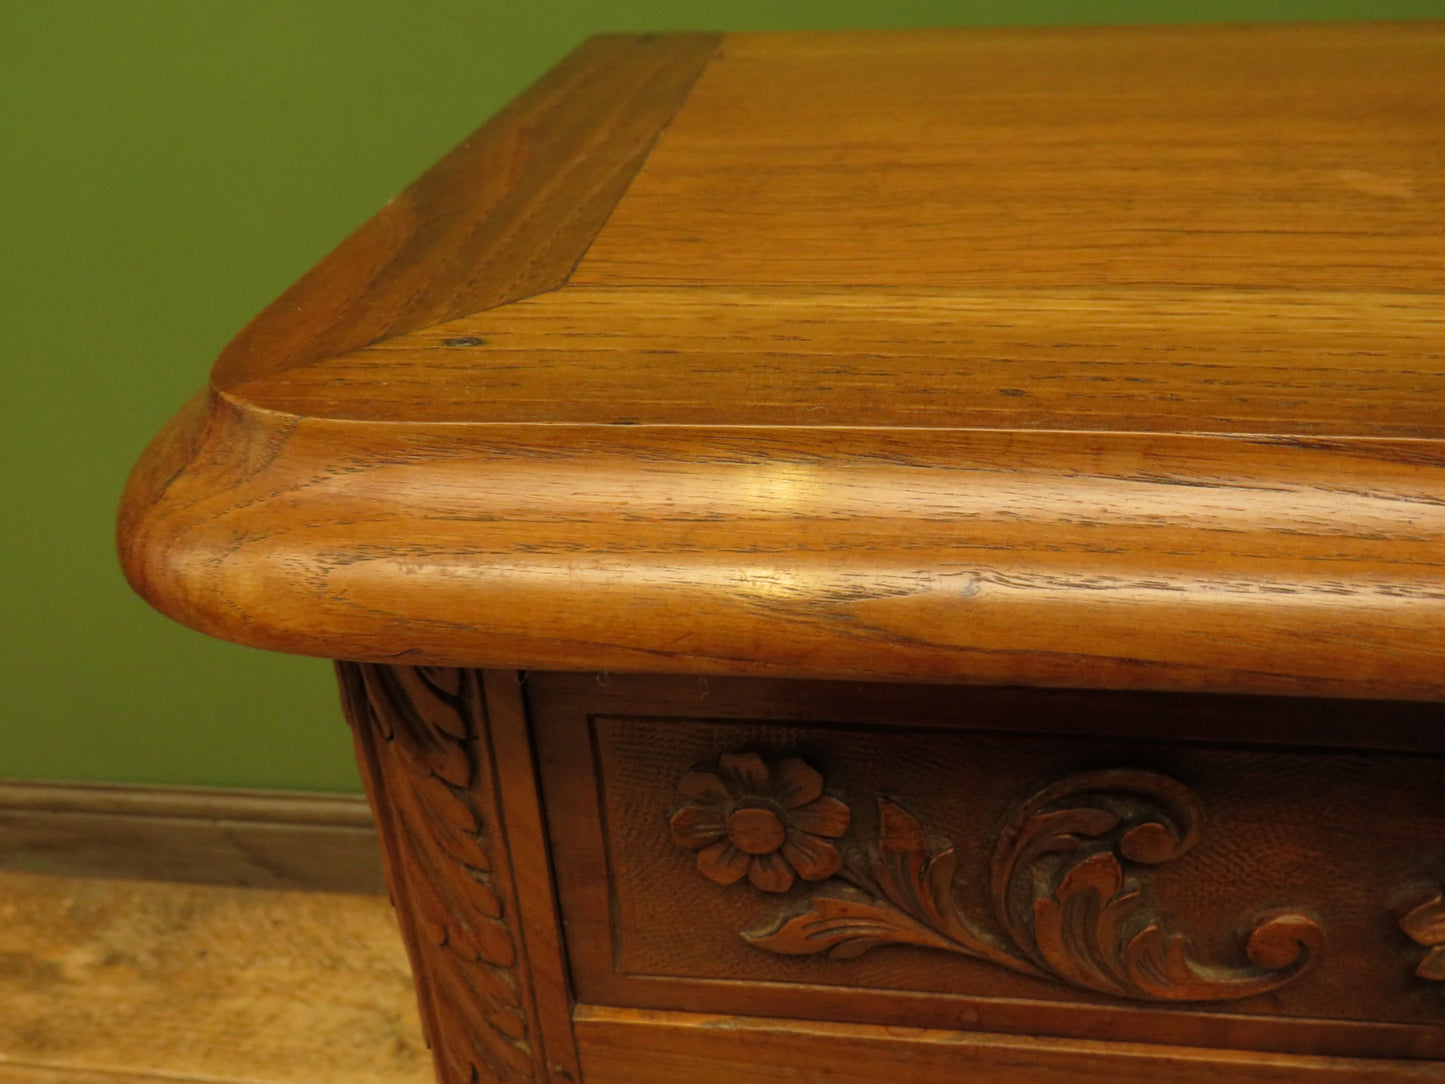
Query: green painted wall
x,y
168,167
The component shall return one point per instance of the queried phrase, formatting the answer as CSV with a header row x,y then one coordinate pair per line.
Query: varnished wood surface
x,y
126,982
1103,358
504,216
1221,229
528,845
196,835
630,1046
1314,362
1274,157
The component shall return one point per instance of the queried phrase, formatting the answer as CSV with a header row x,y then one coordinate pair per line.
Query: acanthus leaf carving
x,y
1068,899
422,734
844,928
1424,923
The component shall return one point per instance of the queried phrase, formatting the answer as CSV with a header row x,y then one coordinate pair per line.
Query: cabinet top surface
x,y
1104,357
1186,229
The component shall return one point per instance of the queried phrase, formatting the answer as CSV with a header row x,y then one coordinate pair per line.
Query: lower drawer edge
x,y
641,1046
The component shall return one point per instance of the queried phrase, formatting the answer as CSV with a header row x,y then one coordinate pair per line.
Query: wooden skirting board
x,y
197,835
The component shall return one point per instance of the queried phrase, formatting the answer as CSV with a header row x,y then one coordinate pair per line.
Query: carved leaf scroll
x,y
1068,900
1061,889
845,928
1424,923
421,732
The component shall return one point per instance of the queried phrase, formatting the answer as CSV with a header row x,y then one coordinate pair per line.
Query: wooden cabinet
x,y
873,557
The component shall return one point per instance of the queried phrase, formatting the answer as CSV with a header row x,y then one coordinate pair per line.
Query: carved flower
x,y
1425,923
767,823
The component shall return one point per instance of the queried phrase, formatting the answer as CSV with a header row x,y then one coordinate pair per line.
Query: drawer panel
x,y
998,860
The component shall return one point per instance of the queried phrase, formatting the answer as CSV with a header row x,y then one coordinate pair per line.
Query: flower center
x,y
756,830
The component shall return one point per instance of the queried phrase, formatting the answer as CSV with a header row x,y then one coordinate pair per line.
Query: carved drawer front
x,y
1052,863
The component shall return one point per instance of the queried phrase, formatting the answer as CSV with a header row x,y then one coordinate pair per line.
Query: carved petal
x,y
703,787
770,873
1433,965
1425,923
796,784
722,862
825,817
899,831
695,826
813,858
746,772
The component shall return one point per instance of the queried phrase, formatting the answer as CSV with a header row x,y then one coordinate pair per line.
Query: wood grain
x,y
1225,229
1279,158
198,835
505,215
15,1073
538,921
1318,362
629,1046
140,983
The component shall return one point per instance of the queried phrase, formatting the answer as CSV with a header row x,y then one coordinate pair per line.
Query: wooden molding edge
x,y
637,1046
196,835
997,609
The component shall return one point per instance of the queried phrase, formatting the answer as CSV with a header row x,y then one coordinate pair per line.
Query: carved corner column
x,y
447,764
